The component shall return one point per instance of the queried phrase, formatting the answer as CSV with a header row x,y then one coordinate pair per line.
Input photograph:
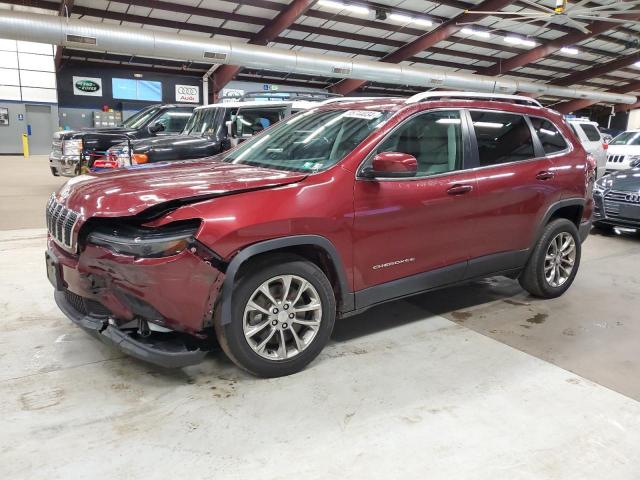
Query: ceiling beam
x,y
579,104
440,33
269,33
548,48
598,70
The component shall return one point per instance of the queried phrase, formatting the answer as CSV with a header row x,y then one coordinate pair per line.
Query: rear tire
x,y
283,314
554,261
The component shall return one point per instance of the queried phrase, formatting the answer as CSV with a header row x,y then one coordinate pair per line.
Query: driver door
x,y
405,227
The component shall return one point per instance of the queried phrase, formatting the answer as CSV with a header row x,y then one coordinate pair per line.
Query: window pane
x,y
551,139
591,132
434,139
251,121
502,137
124,88
174,120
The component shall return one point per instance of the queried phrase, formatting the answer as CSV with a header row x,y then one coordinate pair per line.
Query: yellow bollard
x,y
25,145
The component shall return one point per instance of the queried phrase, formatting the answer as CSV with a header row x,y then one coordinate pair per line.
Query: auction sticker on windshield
x,y
365,114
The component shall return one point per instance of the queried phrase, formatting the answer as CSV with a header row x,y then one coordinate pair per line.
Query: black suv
x,y
73,152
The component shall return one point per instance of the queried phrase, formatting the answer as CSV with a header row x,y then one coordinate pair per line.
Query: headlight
x,y
635,161
603,184
146,242
72,147
120,155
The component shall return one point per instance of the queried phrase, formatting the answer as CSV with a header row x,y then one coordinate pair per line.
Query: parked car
x,y
589,134
324,215
206,133
73,152
609,134
617,199
214,128
623,151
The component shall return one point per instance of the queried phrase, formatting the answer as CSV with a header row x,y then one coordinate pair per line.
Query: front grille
x,y
615,159
86,306
614,199
60,223
76,301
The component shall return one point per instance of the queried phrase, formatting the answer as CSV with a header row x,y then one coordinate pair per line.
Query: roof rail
x,y
280,95
492,97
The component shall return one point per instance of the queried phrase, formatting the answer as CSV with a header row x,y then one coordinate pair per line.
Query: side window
x,y
551,139
434,138
252,121
591,132
174,120
502,137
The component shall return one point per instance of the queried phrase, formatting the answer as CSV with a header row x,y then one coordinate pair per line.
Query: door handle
x,y
545,175
459,189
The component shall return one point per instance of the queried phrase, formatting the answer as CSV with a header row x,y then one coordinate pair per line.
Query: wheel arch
x,y
301,245
570,208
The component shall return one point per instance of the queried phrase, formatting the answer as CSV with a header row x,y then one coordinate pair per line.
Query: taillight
x,y
105,164
605,146
591,172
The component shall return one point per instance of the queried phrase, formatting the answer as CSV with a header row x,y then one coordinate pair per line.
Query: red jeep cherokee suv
x,y
323,215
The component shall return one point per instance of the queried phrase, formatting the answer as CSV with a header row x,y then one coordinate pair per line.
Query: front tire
x,y
554,261
283,314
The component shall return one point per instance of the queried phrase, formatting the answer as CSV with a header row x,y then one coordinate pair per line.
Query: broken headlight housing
x,y
145,242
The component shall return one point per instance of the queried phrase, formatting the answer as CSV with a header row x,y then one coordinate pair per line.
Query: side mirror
x,y
392,165
156,128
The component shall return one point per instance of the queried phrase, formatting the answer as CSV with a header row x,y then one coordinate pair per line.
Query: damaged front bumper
x,y
110,296
169,353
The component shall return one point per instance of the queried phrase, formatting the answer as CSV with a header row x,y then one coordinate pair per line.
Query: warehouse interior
x,y
479,378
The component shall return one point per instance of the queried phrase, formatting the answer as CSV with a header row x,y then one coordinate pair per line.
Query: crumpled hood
x,y
624,180
127,192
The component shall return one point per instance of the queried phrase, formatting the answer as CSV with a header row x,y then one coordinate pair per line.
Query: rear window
x,y
550,138
591,132
502,137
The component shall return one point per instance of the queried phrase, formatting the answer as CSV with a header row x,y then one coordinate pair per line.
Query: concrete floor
x,y
471,382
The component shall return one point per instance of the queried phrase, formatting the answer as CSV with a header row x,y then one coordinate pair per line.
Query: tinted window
x,y
174,121
591,132
551,139
434,138
251,121
502,137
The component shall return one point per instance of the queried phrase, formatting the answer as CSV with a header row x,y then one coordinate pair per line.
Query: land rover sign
x,y
87,86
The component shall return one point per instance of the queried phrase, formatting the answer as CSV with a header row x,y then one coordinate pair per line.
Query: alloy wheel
x,y
282,317
560,259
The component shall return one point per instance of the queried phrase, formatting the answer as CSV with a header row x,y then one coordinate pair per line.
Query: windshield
x,y
141,118
309,142
626,138
202,121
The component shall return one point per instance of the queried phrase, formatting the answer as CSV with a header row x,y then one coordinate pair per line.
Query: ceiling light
x,y
519,41
479,33
401,18
343,6
637,64
570,50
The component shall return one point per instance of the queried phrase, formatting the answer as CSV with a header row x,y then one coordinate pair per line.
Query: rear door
x,y
515,189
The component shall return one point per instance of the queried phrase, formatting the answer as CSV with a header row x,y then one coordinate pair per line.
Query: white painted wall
x,y
634,120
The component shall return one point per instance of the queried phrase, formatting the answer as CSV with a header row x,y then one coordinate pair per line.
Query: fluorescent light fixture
x,y
488,124
479,33
570,50
519,41
343,6
637,64
449,121
401,18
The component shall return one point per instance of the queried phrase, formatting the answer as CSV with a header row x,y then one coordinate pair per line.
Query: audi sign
x,y
633,198
187,94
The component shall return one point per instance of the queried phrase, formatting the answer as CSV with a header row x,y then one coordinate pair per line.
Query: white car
x,y
623,150
592,141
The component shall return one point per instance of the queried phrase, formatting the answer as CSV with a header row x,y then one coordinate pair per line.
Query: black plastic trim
x,y
584,230
553,208
407,286
347,302
168,354
496,263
